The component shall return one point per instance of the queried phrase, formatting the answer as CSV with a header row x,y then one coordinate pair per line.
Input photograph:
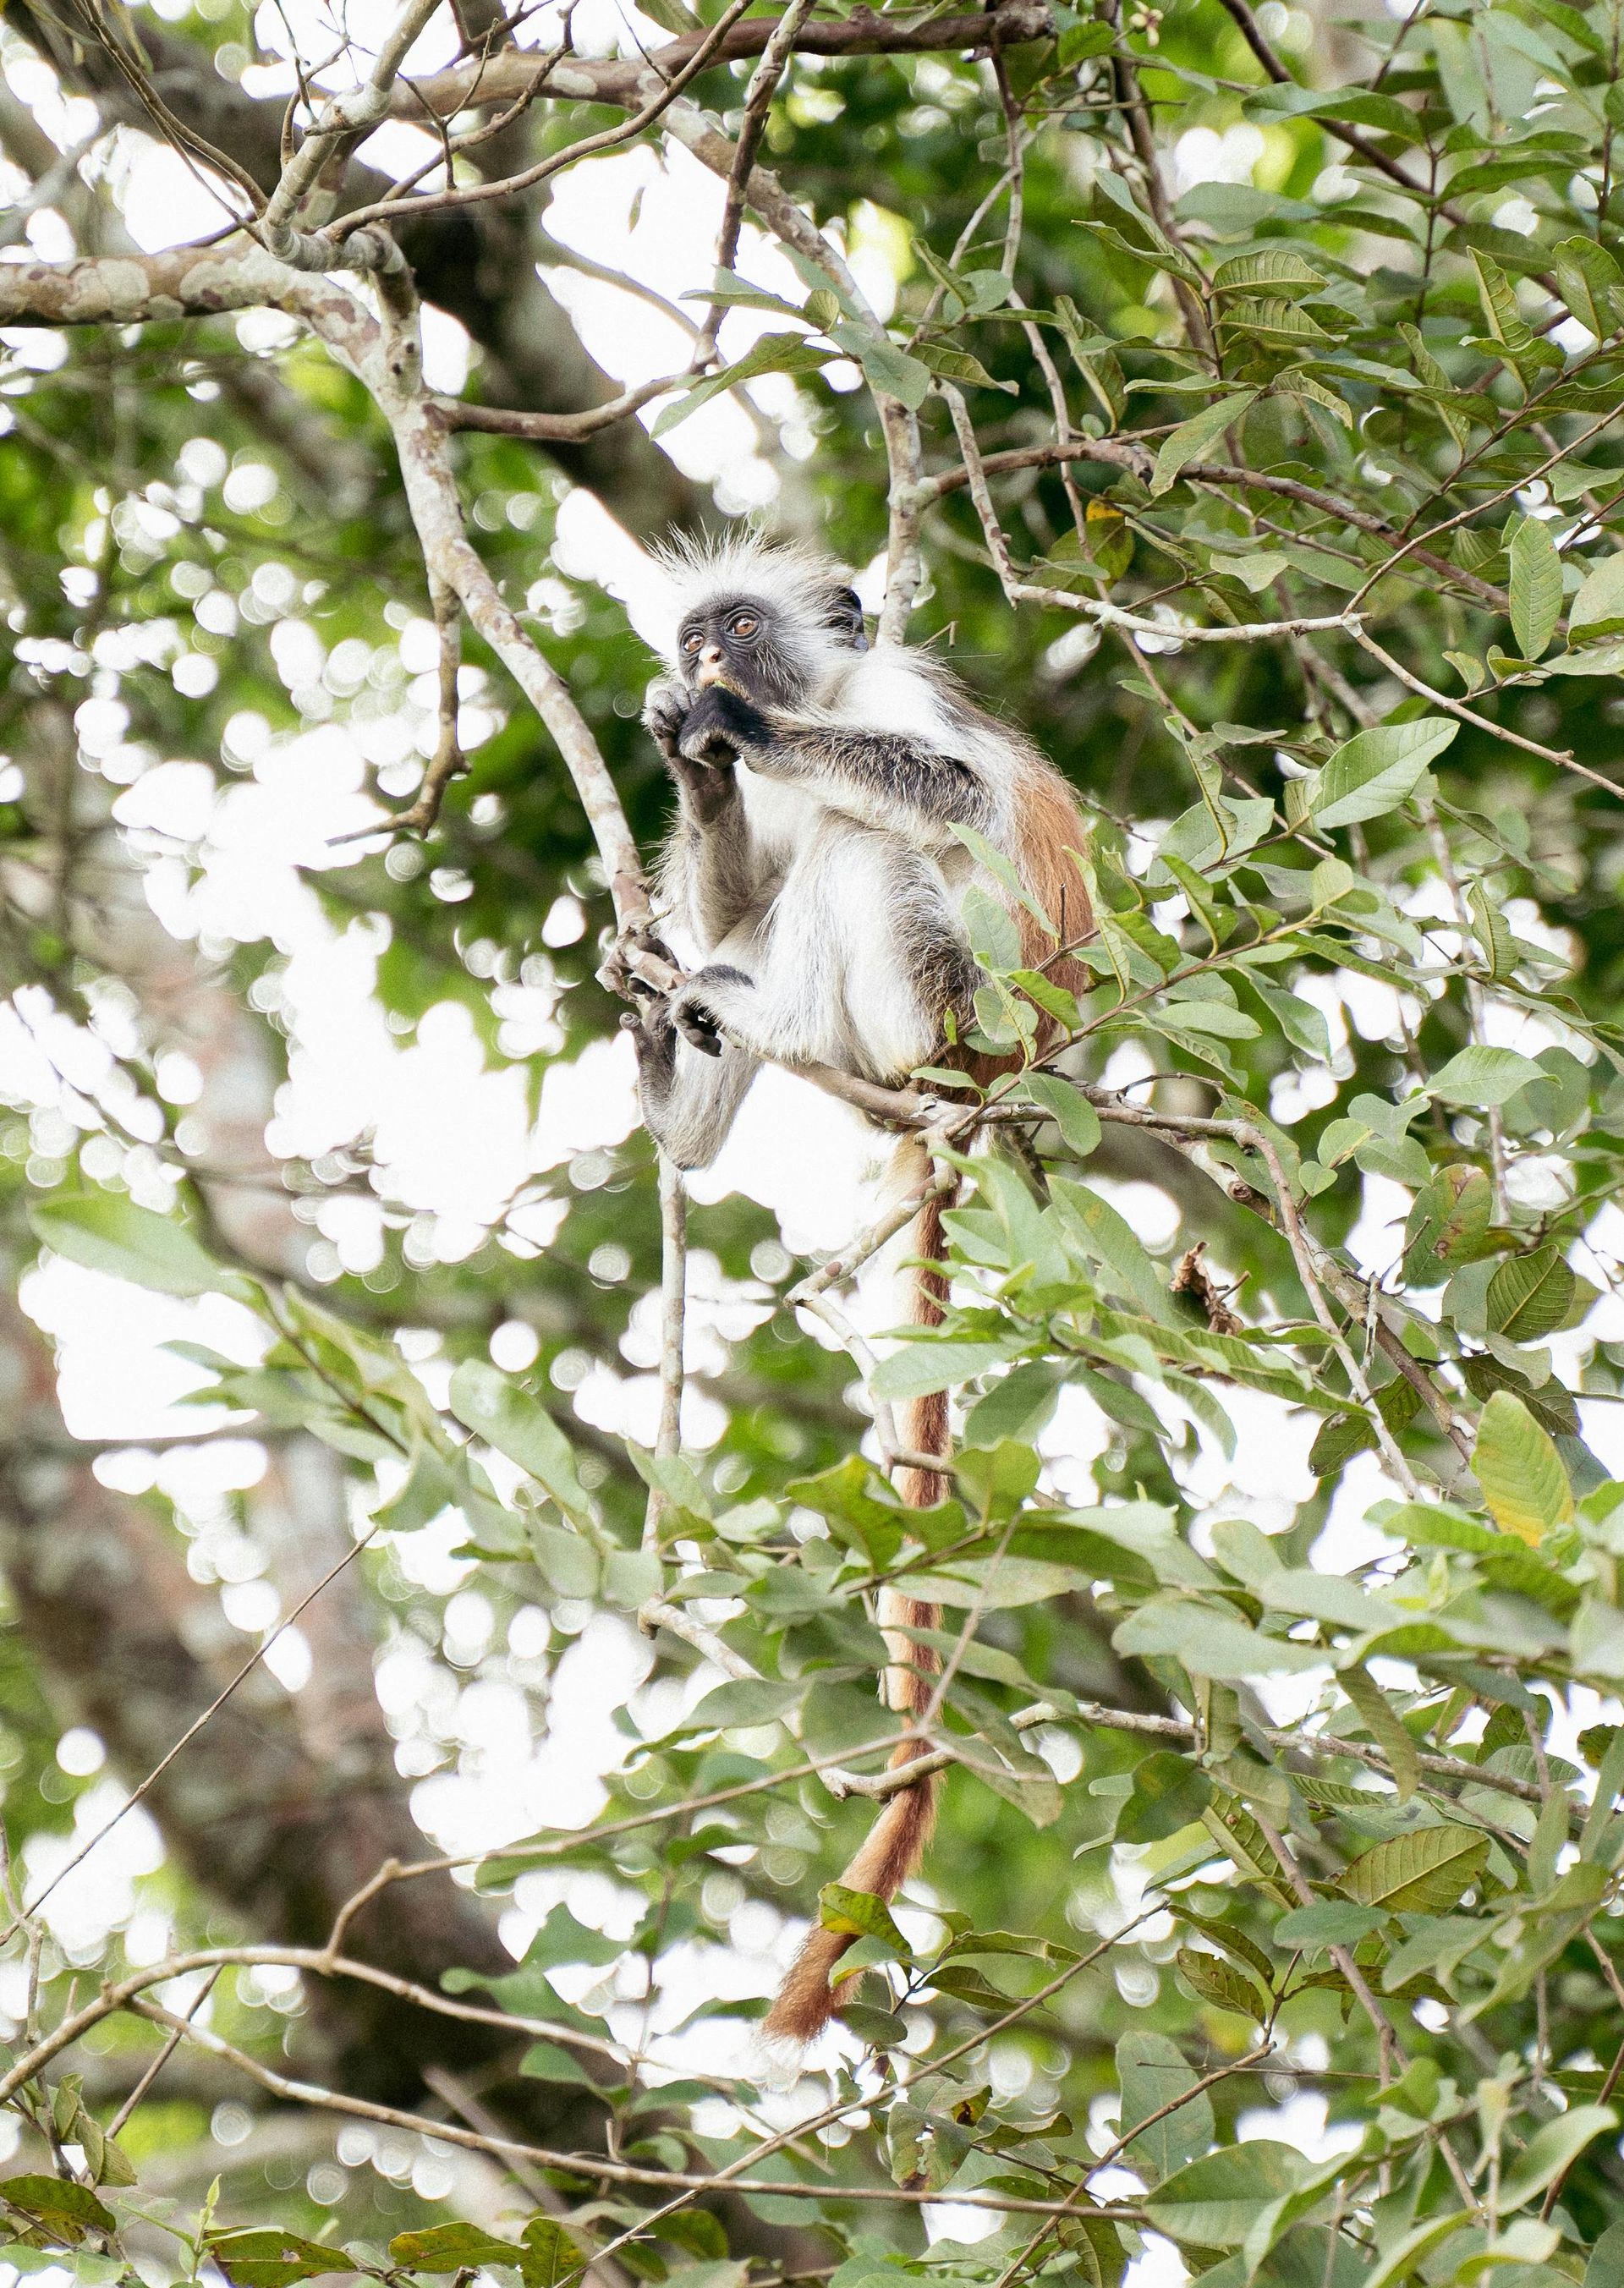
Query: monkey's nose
x,y
710,666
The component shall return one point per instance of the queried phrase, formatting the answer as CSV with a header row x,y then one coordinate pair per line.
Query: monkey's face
x,y
736,642
751,646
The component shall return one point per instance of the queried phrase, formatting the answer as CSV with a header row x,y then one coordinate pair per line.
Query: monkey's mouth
x,y
710,674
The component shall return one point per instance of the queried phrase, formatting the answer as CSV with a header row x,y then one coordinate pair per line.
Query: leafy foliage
x,y
1286,514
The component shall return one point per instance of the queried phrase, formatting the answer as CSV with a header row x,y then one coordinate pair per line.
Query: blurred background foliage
x,y
212,592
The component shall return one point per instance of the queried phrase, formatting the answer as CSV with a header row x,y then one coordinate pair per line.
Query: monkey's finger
x,y
710,750
698,1027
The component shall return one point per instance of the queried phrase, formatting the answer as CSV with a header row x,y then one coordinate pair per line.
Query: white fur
x,y
857,889
794,581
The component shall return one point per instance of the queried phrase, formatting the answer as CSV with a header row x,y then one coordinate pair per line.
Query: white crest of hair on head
x,y
794,582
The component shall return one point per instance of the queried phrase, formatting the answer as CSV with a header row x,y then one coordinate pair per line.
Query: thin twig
x,y
145,1786
161,2060
758,102
673,1313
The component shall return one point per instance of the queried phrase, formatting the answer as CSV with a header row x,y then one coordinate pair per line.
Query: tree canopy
x,y
416,1769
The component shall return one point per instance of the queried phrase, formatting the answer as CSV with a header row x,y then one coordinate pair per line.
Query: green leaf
x,y
990,927
917,1369
1536,587
1424,1872
485,1402
1054,1000
1506,322
1550,2150
1191,438
730,292
1448,1220
773,354
1080,41
1376,770
1255,573
1530,1296
886,368
743,1700
1209,1642
1404,2257
1214,1017
106,1231
1525,1488
1276,269
265,2257
62,2208
1605,2268
673,17
1599,607
1219,1983
1494,934
1017,1406
859,1914
1169,1792
567,1562
1107,1238
1590,282
547,2062
1214,2202
1484,1078
1152,2073
630,1577
562,1938
1382,1721
950,365
1068,1108
549,2253
1331,1922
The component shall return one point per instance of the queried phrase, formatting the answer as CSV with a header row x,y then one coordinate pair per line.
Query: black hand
x,y
697,1025
664,712
719,726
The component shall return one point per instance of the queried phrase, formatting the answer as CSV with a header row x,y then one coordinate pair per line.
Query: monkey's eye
x,y
692,641
744,625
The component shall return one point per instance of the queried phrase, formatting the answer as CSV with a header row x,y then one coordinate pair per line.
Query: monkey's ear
x,y
844,615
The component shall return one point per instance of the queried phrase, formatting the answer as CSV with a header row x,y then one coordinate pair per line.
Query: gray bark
x,y
480,266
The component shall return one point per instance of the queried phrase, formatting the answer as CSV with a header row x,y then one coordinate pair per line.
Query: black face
x,y
738,641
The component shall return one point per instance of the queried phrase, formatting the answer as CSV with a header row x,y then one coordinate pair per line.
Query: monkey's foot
x,y
620,973
699,1010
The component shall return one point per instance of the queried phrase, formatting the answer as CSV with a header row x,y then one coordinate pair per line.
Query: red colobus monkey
x,y
812,881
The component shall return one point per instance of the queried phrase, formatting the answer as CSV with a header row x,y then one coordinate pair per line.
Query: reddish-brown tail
x,y
896,1841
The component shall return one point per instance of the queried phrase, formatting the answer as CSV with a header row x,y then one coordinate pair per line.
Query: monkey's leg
x,y
689,1098
777,997
902,957
861,956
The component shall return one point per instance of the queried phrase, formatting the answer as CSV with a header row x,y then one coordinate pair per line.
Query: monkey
x,y
812,869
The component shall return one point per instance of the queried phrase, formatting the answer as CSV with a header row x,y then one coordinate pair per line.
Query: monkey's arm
x,y
689,1098
883,779
711,871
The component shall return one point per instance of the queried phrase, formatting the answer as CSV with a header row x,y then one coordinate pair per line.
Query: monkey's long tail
x,y
896,1843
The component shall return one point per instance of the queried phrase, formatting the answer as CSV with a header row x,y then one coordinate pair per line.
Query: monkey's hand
x,y
707,786
720,726
695,1008
664,712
